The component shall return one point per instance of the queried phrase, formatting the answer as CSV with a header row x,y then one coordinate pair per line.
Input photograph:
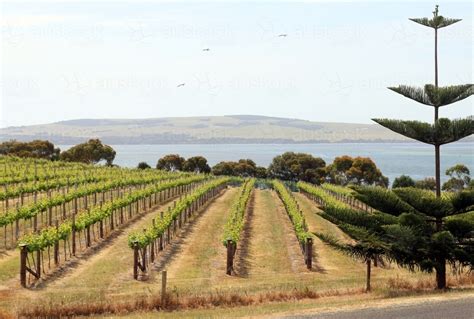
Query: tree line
x,y
289,166
91,152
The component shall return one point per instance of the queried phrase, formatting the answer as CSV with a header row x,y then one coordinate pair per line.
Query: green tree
x,y
428,183
90,152
35,149
346,170
428,231
403,181
224,168
459,178
261,172
243,168
143,165
443,130
196,164
292,166
171,162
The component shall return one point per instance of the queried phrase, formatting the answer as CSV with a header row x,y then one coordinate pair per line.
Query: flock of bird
x,y
283,35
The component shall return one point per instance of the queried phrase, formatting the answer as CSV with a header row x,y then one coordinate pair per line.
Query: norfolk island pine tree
x,y
443,130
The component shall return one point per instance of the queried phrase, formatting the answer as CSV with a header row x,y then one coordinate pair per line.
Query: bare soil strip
x,y
270,242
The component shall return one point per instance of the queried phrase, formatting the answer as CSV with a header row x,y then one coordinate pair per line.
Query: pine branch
x,y
435,23
463,201
425,201
381,199
442,132
435,96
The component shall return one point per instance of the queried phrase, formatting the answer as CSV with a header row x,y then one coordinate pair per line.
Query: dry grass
x,y
172,303
6,315
399,283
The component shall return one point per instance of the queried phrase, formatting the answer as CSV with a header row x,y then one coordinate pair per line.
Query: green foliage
x,y
431,231
425,202
242,168
293,211
171,162
342,190
91,152
437,22
381,199
460,178
435,96
368,247
143,239
49,236
463,201
322,195
403,181
373,221
143,165
358,170
29,211
442,132
34,149
196,164
292,166
45,185
428,183
235,223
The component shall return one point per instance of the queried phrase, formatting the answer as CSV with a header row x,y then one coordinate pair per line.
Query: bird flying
x,y
206,49
283,35
180,85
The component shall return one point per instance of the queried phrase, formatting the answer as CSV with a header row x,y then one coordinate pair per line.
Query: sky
x,y
65,60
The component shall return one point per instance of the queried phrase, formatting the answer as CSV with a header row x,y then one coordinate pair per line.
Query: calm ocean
x,y
394,159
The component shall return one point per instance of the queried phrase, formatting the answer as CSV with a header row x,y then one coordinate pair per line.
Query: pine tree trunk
x,y
438,170
368,288
441,274
437,147
441,268
436,58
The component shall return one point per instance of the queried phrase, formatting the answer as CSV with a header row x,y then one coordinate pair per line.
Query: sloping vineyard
x,y
40,213
92,225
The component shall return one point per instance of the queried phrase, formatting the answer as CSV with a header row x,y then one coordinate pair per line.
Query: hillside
x,y
239,129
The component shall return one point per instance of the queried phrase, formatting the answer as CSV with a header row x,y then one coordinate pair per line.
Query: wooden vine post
x,y
56,247
163,287
23,257
135,261
309,253
73,228
230,256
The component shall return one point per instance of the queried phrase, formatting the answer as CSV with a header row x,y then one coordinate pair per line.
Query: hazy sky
x,y
68,60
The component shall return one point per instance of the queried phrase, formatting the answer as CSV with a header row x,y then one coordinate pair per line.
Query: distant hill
x,y
238,129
